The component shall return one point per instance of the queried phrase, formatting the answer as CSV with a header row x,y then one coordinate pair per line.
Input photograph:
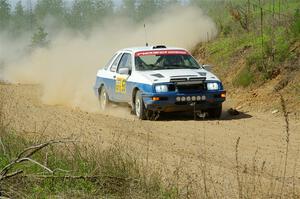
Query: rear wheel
x,y
215,113
103,99
139,106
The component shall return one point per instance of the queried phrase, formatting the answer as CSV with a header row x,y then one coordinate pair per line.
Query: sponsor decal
x,y
161,52
120,85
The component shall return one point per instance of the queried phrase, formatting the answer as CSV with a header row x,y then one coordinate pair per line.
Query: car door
x,y
111,80
125,65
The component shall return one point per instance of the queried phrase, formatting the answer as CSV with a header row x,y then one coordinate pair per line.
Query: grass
x,y
79,172
244,78
264,54
115,172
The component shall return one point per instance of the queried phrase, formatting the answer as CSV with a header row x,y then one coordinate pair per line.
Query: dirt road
x,y
173,141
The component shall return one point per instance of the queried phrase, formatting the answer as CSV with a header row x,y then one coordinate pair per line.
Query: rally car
x,y
159,79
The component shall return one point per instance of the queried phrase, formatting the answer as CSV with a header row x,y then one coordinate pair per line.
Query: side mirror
x,y
207,67
124,71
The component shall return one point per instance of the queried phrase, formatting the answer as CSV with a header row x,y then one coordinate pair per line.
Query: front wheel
x,y
139,106
215,113
103,99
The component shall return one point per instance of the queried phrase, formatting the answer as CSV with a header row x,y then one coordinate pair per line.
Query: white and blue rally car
x,y
159,79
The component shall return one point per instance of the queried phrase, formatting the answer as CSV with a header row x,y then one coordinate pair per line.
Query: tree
x,y
129,9
102,8
4,14
241,16
163,4
146,8
53,8
39,38
19,10
19,19
81,13
85,13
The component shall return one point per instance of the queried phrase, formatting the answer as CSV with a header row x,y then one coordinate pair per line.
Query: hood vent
x,y
178,80
183,76
197,79
188,80
202,73
158,75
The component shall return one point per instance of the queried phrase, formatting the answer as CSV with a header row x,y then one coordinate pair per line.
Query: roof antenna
x,y
146,35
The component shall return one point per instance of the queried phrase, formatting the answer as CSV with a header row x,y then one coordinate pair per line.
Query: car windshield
x,y
165,61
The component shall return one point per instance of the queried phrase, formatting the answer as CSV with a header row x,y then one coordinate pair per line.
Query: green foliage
x,y
226,30
113,172
79,15
255,58
19,17
146,8
244,78
264,54
281,46
4,14
85,13
53,8
129,8
221,49
295,28
39,38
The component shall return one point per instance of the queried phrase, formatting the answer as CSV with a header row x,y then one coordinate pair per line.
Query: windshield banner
x,y
161,52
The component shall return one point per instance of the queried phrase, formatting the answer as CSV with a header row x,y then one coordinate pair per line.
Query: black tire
x,y
139,106
103,99
215,113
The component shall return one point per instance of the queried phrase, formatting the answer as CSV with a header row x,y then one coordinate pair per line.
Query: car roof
x,y
150,48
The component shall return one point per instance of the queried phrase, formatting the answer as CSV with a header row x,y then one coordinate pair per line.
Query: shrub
x,y
79,172
39,38
296,23
244,78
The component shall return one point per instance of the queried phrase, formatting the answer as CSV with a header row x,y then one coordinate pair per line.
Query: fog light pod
x,y
178,99
193,98
198,98
203,97
188,98
183,99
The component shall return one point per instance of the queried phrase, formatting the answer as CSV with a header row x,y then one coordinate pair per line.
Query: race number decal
x,y
120,85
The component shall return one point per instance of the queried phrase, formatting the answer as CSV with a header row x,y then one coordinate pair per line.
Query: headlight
x,y
161,88
212,86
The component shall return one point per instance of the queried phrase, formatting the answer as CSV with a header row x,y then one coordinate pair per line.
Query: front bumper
x,y
173,102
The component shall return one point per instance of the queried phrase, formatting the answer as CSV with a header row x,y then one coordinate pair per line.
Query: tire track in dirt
x,y
173,140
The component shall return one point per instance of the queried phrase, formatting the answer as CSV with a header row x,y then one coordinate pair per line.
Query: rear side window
x,y
114,66
109,62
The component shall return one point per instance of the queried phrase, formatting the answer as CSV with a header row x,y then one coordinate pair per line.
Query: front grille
x,y
186,88
190,88
171,87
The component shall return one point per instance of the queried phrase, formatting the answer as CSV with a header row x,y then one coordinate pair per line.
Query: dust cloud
x,y
66,70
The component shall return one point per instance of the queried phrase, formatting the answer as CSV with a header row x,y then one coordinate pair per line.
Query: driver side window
x,y
114,66
125,62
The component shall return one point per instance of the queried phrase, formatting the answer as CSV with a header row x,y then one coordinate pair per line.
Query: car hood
x,y
160,76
